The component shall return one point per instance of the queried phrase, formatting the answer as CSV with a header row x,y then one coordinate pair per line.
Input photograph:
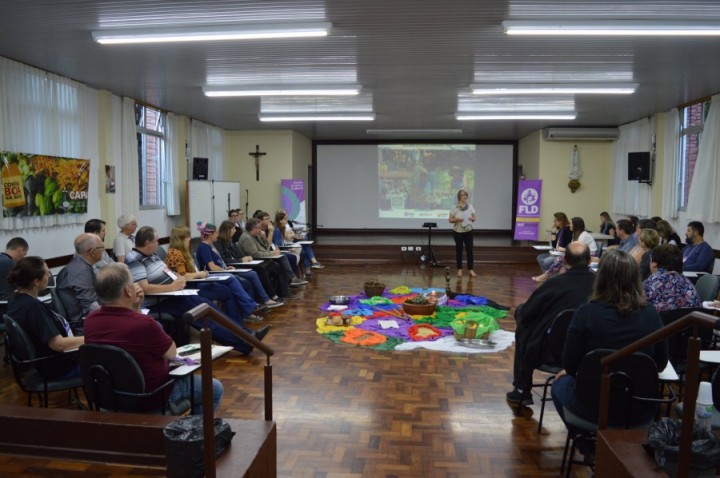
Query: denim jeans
x,y
181,391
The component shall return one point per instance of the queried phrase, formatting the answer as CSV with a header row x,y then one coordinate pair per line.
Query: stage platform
x,y
387,247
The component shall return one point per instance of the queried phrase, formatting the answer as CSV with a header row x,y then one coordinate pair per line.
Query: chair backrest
x,y
632,378
677,344
707,287
57,303
110,377
557,334
19,344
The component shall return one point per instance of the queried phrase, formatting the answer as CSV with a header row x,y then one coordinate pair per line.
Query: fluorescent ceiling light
x,y
414,131
317,117
554,89
247,31
284,90
612,28
516,116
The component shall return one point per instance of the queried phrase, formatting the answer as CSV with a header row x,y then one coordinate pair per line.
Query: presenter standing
x,y
462,216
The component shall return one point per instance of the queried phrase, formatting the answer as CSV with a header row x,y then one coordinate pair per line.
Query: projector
x,y
430,224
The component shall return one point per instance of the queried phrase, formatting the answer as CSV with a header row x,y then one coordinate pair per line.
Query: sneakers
x,y
253,319
289,297
261,333
271,304
260,310
295,282
516,396
317,265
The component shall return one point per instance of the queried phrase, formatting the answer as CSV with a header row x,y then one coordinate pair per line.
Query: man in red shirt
x,y
119,322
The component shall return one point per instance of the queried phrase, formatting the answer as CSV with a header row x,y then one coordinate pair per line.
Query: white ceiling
x,y
414,58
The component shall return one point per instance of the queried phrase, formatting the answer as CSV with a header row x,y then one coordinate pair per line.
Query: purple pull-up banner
x,y
293,199
527,216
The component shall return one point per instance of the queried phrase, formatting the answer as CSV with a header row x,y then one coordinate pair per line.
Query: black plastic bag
x,y
664,438
184,445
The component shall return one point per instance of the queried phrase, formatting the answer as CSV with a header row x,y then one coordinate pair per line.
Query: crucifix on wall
x,y
257,155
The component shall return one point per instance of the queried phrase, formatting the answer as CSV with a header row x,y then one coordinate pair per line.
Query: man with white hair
x,y
75,280
125,240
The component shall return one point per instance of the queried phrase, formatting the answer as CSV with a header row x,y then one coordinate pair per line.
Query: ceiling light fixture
x,y
266,118
612,28
282,90
414,131
190,33
515,116
554,89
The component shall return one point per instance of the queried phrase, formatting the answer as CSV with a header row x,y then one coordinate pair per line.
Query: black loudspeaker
x,y
200,168
639,166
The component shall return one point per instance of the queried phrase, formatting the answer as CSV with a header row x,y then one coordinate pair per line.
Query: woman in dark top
x,y
560,235
616,316
50,333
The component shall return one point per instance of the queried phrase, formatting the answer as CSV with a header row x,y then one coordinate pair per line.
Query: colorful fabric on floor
x,y
369,319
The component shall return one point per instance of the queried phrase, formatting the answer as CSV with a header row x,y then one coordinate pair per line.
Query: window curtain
x,y
42,113
208,142
671,153
172,157
129,178
704,196
630,197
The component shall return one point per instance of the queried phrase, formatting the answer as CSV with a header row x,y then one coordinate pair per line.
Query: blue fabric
x,y
181,391
471,300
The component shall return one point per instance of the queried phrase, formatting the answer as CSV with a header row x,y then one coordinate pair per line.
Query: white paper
x,y
388,324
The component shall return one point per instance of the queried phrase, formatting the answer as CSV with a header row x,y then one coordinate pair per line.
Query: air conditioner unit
x,y
581,134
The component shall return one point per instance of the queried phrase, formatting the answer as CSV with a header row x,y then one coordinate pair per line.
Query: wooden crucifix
x,y
257,155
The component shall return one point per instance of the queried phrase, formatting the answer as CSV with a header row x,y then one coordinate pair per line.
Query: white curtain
x,y
671,153
207,142
42,113
128,181
704,196
172,157
630,197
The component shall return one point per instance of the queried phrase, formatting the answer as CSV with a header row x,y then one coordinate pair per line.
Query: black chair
x,y
27,367
113,381
555,343
707,287
633,402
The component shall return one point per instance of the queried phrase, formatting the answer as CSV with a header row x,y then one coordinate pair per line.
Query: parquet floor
x,y
343,412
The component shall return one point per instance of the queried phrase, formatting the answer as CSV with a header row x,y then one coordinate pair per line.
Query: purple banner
x,y
293,199
527,216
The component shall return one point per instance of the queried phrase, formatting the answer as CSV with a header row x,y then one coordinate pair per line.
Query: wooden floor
x,y
343,412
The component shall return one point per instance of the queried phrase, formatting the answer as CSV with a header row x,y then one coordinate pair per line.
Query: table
x,y
601,238
182,370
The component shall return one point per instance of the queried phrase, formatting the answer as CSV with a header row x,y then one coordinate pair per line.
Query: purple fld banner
x,y
293,199
527,216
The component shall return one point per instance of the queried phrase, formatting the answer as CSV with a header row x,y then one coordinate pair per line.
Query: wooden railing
x,y
205,313
692,374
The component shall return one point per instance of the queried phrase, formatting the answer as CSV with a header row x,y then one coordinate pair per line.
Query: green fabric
x,y
389,344
485,309
375,300
485,324
401,290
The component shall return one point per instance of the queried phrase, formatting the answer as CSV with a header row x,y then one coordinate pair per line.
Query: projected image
x,y
422,181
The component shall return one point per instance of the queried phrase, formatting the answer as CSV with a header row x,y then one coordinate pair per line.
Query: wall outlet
x,y
418,248
403,249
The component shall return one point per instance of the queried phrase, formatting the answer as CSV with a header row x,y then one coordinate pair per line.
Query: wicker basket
x,y
373,289
419,309
470,331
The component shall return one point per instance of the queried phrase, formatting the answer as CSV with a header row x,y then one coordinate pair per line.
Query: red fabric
x,y
141,336
423,332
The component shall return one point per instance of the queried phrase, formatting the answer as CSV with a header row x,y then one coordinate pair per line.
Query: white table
x,y
601,238
217,351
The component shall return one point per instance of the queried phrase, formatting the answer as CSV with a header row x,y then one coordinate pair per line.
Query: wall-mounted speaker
x,y
200,168
639,166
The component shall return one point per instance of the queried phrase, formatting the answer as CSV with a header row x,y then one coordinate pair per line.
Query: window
x,y
692,122
150,124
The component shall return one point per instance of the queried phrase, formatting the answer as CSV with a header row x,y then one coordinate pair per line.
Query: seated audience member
x,y
616,315
120,323
560,235
285,235
635,221
668,234
268,231
273,281
667,288
75,281
97,227
237,218
645,224
16,249
154,276
577,226
626,234
607,226
253,244
647,241
534,317
698,256
49,332
125,240
209,260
